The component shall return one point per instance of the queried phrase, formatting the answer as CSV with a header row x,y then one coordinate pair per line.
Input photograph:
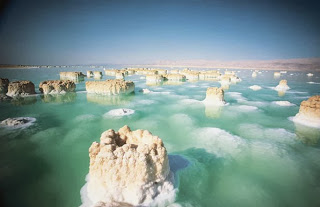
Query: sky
x,y
70,32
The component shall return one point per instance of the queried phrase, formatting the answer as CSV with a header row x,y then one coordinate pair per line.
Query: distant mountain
x,y
285,64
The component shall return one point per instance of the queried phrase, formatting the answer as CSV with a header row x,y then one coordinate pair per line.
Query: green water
x,y
248,153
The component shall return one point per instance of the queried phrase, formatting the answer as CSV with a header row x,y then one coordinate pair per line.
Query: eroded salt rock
x,y
57,86
19,122
4,83
71,75
309,112
20,88
154,78
89,73
130,167
215,96
255,87
110,87
209,75
97,74
162,71
120,75
282,86
175,77
174,71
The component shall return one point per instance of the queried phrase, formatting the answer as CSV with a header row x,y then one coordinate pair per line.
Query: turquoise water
x,y
247,153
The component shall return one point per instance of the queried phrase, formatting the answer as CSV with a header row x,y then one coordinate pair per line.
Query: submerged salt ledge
x,y
18,122
119,112
130,168
283,103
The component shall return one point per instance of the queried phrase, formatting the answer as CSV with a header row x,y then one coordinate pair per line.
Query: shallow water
x,y
247,153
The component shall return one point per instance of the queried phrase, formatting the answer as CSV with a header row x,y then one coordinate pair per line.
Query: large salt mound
x,y
309,112
214,96
119,113
19,122
282,86
110,87
20,88
56,86
127,168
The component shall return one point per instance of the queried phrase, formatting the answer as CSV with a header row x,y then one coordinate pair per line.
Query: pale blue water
x,y
247,154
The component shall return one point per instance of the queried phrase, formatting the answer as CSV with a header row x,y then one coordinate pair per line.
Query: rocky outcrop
x,y
20,88
129,167
309,112
215,96
4,83
57,86
71,76
282,86
110,87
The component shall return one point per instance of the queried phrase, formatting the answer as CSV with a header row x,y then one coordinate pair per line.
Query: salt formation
x,y
120,75
128,167
309,112
19,122
174,71
215,96
162,71
209,75
175,77
57,86
89,73
254,74
309,74
145,91
21,88
119,112
110,87
276,74
225,80
255,87
97,74
4,83
154,78
282,86
283,103
71,75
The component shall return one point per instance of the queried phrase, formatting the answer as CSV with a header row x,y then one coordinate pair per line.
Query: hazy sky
x,y
97,31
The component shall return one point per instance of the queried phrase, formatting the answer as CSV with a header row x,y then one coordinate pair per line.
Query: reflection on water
x,y
154,83
109,100
212,111
281,93
59,98
24,100
307,135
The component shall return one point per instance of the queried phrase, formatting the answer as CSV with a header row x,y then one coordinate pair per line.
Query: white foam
x,y
218,141
313,82
283,103
182,120
236,95
190,101
28,121
145,102
142,77
145,91
255,87
119,112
